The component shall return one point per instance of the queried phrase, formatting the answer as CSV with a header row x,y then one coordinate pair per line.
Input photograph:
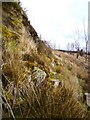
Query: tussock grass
x,y
22,98
46,102
27,100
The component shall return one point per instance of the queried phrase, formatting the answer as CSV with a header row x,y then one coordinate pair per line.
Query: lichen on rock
x,y
38,76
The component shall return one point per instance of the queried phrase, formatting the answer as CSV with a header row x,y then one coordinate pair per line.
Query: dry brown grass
x,y
26,100
21,97
47,103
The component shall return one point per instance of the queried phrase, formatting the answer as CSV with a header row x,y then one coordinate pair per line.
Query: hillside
x,y
38,82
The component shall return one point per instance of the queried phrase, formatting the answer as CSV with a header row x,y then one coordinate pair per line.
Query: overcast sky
x,y
56,20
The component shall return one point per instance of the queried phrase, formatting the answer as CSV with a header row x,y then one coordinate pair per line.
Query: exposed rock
x,y
56,83
29,78
88,98
52,64
38,76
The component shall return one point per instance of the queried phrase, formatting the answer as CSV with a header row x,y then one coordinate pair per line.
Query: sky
x,y
57,20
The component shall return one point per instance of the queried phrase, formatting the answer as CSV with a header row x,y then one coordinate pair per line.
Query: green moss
x,y
8,34
54,75
58,69
12,45
17,23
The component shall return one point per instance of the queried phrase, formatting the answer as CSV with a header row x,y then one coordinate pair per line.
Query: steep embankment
x,y
36,82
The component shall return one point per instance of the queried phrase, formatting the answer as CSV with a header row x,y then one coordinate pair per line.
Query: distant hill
x,y
69,51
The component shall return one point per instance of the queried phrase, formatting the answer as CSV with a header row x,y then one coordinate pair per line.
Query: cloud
x,y
55,19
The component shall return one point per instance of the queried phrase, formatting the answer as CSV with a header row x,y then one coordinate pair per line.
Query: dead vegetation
x,y
46,102
21,98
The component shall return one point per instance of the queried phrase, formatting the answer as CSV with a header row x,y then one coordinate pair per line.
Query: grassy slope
x,y
78,68
21,53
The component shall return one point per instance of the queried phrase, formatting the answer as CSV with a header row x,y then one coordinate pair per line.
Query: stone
x,y
56,83
29,78
38,76
88,99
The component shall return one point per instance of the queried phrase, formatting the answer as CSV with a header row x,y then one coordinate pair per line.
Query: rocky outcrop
x,y
56,83
38,76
